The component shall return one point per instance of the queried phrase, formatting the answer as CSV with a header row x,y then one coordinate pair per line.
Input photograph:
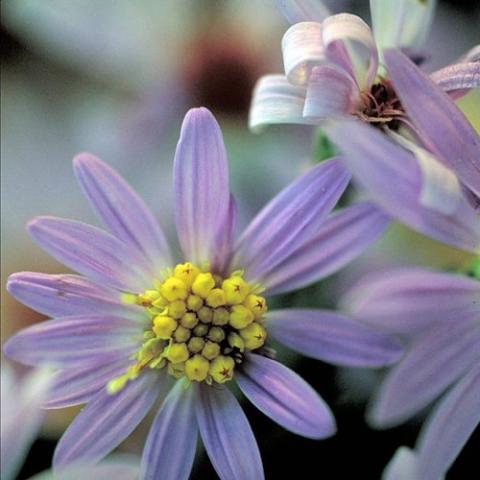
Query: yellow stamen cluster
x,y
201,325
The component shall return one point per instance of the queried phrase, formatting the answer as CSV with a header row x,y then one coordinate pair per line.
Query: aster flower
x,y
328,82
335,67
135,319
439,315
21,415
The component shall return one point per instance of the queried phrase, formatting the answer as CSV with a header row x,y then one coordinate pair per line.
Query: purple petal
x,y
442,126
285,397
333,338
432,363
343,237
75,340
122,210
296,11
291,218
408,299
77,385
64,295
276,100
227,435
221,257
393,179
202,194
449,427
107,420
92,252
170,448
330,92
458,79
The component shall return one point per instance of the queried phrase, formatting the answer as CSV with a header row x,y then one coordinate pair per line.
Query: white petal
x,y
302,47
275,100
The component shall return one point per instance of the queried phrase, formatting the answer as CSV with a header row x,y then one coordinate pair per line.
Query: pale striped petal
x,y
276,100
202,195
227,435
285,397
303,49
107,420
170,448
122,210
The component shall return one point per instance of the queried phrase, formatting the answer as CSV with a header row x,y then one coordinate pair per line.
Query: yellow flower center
x,y
201,325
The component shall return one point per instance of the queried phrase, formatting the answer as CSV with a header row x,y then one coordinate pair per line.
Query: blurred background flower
x,y
115,78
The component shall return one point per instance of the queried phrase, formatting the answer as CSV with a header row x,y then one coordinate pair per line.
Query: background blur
x,y
115,77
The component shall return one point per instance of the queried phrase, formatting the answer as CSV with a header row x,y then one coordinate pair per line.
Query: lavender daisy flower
x,y
439,314
334,68
136,319
327,84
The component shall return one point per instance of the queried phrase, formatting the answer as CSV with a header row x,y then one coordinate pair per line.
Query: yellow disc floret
x,y
174,289
196,368
254,336
203,284
240,316
200,326
164,326
221,369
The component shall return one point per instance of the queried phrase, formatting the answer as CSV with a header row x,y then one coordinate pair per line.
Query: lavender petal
x,y
285,397
75,340
333,338
122,210
77,385
290,219
393,179
342,237
330,92
458,79
92,252
64,295
442,126
409,299
107,420
432,363
170,448
202,194
450,426
227,435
